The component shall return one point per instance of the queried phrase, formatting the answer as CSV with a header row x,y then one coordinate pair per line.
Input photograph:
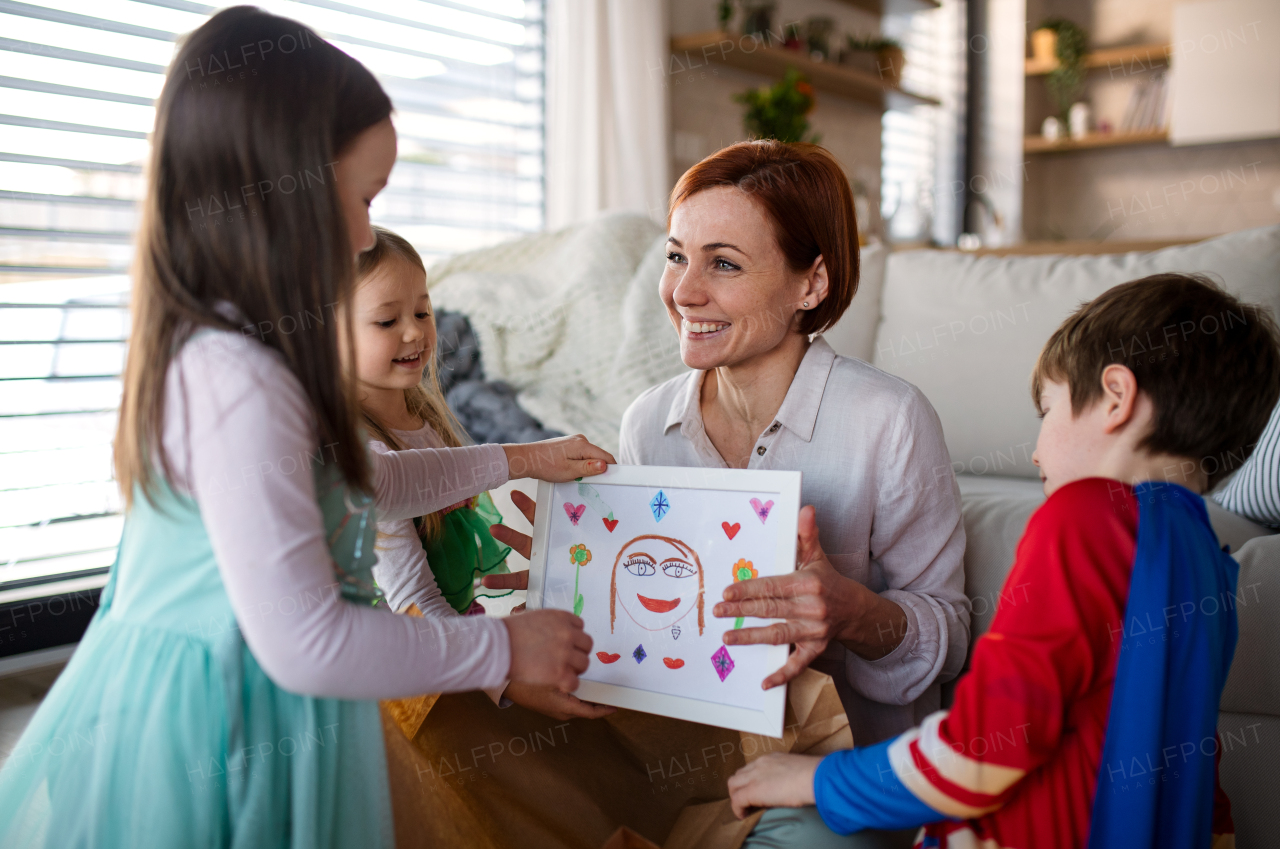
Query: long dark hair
x,y
242,229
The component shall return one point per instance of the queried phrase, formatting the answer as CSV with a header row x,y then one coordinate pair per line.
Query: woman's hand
x,y
556,460
520,543
819,605
773,781
553,703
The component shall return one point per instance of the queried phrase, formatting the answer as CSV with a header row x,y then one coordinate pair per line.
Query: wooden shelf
x,y
1123,60
879,7
1084,247
1039,144
751,54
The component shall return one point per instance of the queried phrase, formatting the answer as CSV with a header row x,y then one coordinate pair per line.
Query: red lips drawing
x,y
658,605
605,657
673,662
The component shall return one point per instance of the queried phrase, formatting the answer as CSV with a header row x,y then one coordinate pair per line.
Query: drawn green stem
x,y
737,623
577,597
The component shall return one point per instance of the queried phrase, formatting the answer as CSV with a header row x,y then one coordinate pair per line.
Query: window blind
x,y
77,82
922,146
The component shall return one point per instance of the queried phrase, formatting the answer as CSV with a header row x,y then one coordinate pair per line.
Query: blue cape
x,y
1156,781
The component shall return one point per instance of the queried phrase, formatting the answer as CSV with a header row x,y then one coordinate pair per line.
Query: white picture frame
x,y
701,495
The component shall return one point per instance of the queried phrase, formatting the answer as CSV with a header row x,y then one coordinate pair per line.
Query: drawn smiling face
x,y
657,580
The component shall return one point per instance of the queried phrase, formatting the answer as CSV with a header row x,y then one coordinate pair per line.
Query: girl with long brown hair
x,y
225,692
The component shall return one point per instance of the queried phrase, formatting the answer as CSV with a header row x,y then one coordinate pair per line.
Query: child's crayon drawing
x,y
648,595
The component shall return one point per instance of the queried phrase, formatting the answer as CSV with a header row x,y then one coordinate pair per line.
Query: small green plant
x,y
1066,81
780,111
724,13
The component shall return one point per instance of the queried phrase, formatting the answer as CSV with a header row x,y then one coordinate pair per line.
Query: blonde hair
x,y
426,400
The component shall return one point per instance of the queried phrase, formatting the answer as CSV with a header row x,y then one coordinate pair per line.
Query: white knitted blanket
x,y
572,319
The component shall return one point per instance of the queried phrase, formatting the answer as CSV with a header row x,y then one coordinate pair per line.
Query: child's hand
x,y
556,460
773,781
548,648
553,703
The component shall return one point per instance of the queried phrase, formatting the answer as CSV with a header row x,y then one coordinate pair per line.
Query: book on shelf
x,y
1148,104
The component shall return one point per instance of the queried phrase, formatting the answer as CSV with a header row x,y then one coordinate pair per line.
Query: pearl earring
x,y
806,304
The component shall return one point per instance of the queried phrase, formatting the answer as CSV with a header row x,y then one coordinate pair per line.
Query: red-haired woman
x,y
763,255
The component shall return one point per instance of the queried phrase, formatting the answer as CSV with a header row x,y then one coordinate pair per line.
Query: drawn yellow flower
x,y
579,555
744,571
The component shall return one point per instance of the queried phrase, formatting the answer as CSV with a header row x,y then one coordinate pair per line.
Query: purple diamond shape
x,y
639,653
722,662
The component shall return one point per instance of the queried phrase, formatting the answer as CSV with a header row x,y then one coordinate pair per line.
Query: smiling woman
x,y
763,257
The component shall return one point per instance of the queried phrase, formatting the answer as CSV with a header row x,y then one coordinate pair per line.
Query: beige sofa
x,y
572,319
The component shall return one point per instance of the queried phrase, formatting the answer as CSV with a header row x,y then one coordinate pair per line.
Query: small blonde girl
x,y
430,562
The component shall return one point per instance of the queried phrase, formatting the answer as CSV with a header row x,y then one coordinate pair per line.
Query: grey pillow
x,y
1254,490
488,409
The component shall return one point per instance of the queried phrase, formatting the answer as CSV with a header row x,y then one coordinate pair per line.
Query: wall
x,y
704,117
1150,191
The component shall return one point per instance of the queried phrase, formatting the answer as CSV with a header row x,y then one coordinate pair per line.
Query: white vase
x,y
1078,120
1051,129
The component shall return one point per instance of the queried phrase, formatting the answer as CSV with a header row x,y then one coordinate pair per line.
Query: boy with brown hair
x,y
1089,714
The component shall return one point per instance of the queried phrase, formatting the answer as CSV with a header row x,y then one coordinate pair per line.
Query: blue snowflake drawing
x,y
639,653
659,505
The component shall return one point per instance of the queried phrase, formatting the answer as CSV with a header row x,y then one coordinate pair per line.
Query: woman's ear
x,y
1119,396
817,284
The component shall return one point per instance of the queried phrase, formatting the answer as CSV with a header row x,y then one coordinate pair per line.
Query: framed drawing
x,y
642,554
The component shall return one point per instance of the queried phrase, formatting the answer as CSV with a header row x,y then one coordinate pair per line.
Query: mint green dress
x,y
164,732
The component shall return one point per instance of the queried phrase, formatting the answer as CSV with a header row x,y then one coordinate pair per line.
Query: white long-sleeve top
x,y
877,471
239,434
403,571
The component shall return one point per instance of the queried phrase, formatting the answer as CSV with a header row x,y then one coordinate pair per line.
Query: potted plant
x,y
1066,80
757,17
817,36
724,14
780,111
791,37
876,54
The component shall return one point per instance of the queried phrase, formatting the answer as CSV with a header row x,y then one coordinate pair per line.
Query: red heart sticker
x,y
605,657
611,524
731,530
673,662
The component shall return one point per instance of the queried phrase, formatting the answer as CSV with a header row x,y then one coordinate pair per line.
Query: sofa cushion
x,y
1254,684
1250,749
1249,723
967,329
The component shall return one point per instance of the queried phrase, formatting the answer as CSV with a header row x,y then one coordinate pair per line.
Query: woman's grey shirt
x,y
876,469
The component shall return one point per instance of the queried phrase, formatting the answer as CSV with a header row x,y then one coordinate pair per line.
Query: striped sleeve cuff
x,y
857,789
957,784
